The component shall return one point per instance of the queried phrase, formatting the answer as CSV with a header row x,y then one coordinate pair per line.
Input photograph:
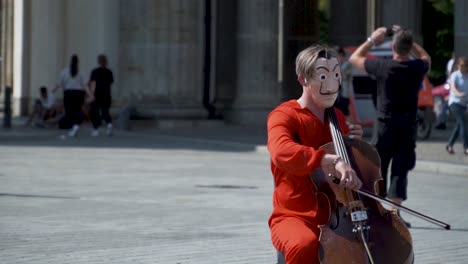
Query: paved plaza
x,y
180,196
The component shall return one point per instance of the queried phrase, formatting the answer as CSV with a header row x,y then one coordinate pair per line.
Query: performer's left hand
x,y
355,131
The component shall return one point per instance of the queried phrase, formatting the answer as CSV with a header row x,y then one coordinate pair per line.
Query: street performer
x,y
296,130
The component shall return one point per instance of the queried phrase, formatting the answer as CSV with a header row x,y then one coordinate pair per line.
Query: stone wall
x,y
161,57
6,44
461,29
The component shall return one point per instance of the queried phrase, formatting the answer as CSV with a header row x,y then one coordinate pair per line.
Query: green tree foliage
x,y
324,14
438,35
443,6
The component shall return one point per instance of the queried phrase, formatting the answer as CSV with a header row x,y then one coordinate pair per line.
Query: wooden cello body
x,y
383,238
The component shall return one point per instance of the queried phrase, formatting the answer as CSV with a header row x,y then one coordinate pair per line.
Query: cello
x,y
362,229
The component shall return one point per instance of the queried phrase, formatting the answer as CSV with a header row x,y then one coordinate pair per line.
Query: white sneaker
x,y
73,131
95,133
109,129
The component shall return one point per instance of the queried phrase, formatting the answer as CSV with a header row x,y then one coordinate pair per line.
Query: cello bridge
x,y
357,216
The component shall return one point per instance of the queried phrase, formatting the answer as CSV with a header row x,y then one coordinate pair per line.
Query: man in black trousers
x,y
398,83
100,83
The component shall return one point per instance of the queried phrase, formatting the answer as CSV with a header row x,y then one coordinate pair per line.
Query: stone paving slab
x,y
169,198
162,204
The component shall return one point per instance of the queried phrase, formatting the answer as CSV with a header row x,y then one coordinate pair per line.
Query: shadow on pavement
x,y
225,139
441,229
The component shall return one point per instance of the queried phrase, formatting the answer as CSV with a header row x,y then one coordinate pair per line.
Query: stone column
x,y
461,30
300,30
225,53
96,34
57,29
21,57
6,44
257,87
161,57
347,24
402,12
44,57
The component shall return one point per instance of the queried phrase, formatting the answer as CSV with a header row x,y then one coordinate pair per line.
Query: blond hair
x,y
307,58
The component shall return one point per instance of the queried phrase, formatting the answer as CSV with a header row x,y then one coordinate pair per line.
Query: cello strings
x,y
336,134
340,147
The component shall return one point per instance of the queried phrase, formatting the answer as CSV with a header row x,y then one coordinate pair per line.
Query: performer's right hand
x,y
343,171
348,177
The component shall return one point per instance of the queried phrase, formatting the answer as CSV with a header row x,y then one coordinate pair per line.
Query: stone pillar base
x,y
159,107
172,113
246,116
20,106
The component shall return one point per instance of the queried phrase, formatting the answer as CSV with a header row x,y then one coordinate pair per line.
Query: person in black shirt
x,y
100,82
398,82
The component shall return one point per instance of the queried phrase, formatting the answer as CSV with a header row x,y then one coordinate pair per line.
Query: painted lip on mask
x,y
328,97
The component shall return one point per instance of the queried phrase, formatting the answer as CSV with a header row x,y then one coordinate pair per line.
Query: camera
x,y
389,32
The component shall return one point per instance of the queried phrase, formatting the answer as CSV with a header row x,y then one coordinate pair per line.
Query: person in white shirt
x,y
449,67
74,89
458,103
45,108
442,118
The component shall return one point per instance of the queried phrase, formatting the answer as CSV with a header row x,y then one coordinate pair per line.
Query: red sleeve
x,y
285,153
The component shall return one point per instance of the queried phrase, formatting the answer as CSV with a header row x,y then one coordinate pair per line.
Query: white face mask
x,y
326,82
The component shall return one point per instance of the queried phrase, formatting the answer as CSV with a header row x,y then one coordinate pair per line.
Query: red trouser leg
x,y
296,240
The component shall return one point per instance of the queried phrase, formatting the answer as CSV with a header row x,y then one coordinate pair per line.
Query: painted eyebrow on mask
x,y
322,67
325,68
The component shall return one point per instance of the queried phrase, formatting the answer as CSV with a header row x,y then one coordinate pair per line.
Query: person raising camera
x,y
398,82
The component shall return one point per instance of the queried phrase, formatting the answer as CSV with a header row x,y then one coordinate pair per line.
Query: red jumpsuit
x,y
294,136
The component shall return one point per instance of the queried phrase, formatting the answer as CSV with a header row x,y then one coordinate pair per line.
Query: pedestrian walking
x,y
458,102
442,118
101,81
398,82
74,89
